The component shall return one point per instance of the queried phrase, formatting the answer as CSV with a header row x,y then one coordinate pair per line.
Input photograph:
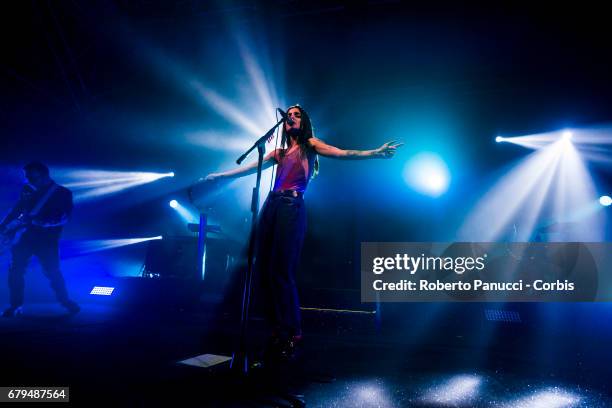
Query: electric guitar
x,y
12,232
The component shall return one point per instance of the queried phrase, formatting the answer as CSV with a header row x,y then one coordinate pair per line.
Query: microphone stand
x,y
240,358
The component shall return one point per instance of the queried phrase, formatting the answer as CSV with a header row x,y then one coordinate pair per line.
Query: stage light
x,y
247,110
535,141
541,140
605,200
89,184
594,143
102,291
187,214
428,174
458,390
80,247
551,185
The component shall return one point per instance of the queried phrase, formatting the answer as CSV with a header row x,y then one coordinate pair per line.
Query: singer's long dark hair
x,y
306,132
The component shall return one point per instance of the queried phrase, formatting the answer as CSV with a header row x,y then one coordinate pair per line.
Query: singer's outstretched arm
x,y
268,161
386,151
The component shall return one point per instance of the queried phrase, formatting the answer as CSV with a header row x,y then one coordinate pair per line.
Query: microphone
x,y
287,119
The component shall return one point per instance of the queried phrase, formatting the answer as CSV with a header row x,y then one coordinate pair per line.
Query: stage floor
x,y
128,357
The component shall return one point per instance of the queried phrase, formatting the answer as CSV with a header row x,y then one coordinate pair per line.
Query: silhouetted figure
x,y
33,228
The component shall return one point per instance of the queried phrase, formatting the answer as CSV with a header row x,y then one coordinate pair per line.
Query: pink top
x,y
294,169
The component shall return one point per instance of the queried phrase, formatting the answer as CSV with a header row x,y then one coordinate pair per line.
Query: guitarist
x,y
35,224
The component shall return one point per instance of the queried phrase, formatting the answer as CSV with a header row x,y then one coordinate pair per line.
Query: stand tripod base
x,y
240,363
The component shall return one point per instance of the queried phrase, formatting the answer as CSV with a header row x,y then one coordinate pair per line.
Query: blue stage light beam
x,y
567,135
252,118
219,141
258,96
260,118
252,112
594,143
82,247
228,110
537,141
187,214
574,189
265,88
550,184
90,184
427,174
250,108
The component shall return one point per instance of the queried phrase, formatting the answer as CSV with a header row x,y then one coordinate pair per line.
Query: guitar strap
x,y
33,212
42,201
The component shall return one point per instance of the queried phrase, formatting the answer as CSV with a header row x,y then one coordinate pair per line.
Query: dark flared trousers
x,y
281,230
46,249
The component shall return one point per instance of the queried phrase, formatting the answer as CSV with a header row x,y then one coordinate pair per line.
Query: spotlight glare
x,y
89,183
81,247
428,174
536,141
605,200
186,213
567,135
551,184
